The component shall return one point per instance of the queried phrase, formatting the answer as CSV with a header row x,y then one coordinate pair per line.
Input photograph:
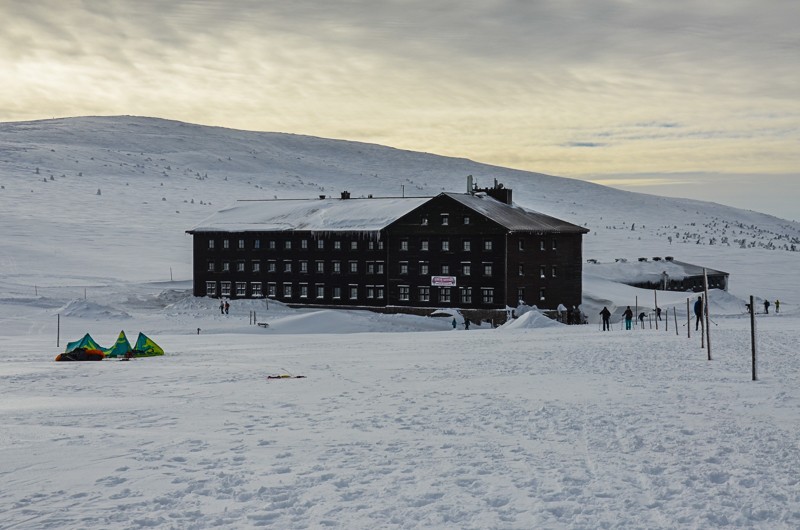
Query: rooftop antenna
x,y
470,187
403,190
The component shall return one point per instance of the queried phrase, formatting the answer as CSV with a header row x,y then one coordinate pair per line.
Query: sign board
x,y
443,281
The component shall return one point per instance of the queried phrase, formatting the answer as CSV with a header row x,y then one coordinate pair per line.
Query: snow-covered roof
x,y
515,218
646,271
369,214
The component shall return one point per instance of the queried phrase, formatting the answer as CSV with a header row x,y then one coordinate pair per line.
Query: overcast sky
x,y
694,98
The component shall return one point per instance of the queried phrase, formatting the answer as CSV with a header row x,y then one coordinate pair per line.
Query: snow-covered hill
x,y
102,200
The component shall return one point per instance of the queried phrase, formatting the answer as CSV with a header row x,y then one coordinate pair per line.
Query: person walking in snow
x,y
777,306
454,323
227,307
698,312
658,313
641,319
606,314
221,307
628,317
766,306
466,323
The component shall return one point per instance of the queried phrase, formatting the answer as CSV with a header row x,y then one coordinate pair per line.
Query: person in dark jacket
x,y
606,314
641,318
766,306
658,313
698,312
628,317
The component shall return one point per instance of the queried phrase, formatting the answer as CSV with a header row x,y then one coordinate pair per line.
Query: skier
x,y
698,312
606,314
628,317
766,306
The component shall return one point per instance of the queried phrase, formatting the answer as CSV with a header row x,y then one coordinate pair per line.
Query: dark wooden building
x,y
471,251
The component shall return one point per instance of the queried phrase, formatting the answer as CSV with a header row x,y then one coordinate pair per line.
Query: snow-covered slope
x,y
102,200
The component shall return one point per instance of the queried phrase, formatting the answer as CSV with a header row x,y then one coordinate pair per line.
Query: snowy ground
x,y
401,422
527,426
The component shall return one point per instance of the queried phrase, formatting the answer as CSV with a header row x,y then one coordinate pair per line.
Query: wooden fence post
x,y
753,336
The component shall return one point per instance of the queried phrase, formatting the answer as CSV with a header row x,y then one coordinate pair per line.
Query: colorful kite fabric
x,y
86,343
145,347
120,348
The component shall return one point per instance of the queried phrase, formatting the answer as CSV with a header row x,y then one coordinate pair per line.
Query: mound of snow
x,y
532,319
91,310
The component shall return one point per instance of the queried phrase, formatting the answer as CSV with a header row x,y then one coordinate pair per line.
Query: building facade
x,y
473,251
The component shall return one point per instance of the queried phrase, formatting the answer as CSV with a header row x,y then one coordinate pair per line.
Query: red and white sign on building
x,y
443,281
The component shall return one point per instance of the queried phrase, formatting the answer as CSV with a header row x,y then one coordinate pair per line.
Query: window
x,y
287,290
337,245
241,244
304,244
380,245
466,269
211,243
423,267
354,245
403,267
487,295
404,244
445,219
272,245
423,245
445,270
541,245
542,271
487,269
424,221
370,292
445,245
555,244
520,270
226,289
225,243
257,243
255,289
521,294
466,245
354,266
287,266
370,267
240,266
379,266
466,219
210,266
320,243
521,244
353,292
256,266
424,294
404,293
487,244
554,272
304,267
226,266
444,295
320,291
271,289
303,290
241,289
379,292
287,244
466,295
271,266
371,245
337,292
337,267
320,267
211,288
541,294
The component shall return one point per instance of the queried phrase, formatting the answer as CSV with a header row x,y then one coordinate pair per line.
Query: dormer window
x,y
445,219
